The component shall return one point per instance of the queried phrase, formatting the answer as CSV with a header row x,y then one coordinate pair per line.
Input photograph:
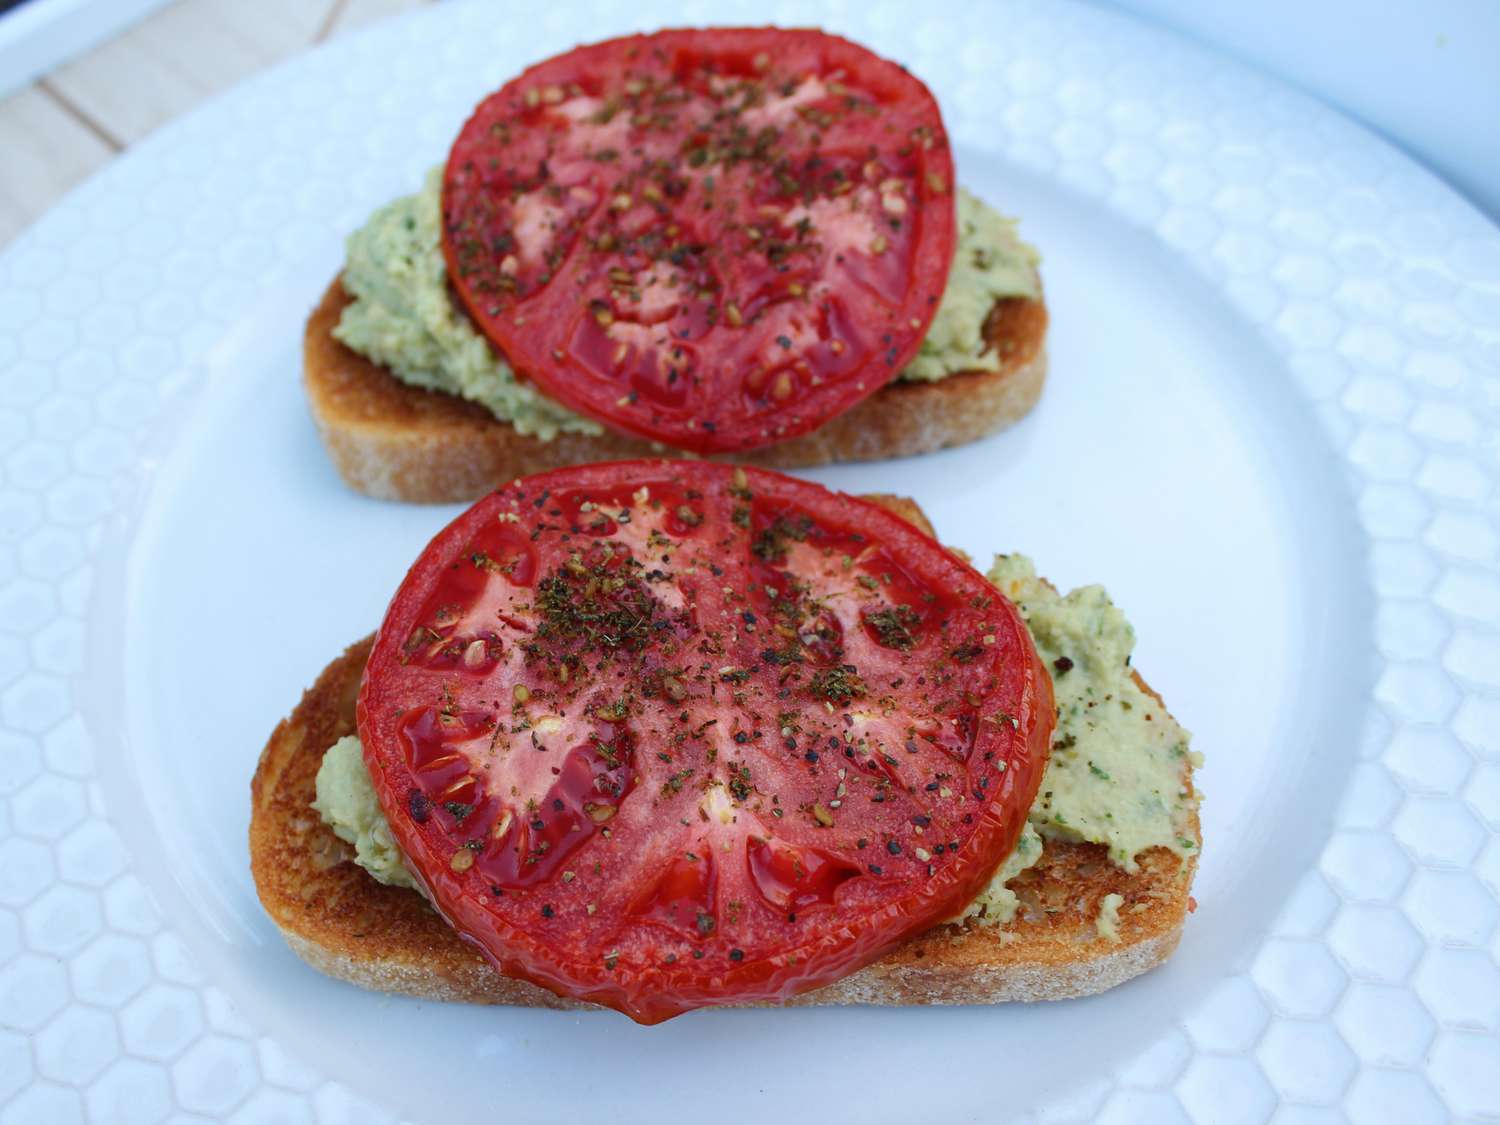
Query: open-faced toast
x,y
344,923
394,441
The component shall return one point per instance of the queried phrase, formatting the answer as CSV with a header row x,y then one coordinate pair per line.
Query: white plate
x,y
1270,429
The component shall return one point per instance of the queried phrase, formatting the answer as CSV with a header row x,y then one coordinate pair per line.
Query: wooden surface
x,y
76,119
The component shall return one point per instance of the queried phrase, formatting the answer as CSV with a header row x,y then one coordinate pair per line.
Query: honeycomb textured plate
x,y
1376,995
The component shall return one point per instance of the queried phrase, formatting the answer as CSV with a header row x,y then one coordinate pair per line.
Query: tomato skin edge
x,y
817,963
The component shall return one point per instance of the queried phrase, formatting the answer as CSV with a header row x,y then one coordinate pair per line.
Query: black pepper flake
x,y
875,869
811,756
419,805
1062,664
893,847
547,911
736,954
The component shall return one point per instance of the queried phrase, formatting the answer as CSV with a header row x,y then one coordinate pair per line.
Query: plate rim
x,y
1404,685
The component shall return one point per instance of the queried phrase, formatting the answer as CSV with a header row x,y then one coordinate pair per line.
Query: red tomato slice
x,y
713,239
665,734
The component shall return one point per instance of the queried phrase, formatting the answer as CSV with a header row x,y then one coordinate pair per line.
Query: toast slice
x,y
345,924
394,441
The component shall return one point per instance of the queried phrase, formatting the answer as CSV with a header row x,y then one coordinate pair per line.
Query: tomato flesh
x,y
713,239
724,735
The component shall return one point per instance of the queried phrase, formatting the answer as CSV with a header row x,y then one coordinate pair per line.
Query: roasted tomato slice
x,y
666,734
713,239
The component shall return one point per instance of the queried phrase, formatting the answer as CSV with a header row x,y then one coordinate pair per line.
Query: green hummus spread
x,y
989,262
403,318
347,803
1114,777
1107,925
1115,773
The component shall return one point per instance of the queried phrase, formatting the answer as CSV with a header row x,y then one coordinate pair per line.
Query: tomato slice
x,y
664,734
712,239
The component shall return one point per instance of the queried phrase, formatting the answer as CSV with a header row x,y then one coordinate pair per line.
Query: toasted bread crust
x,y
345,924
394,441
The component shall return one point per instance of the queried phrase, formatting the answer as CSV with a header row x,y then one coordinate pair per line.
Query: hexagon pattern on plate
x,y
1378,993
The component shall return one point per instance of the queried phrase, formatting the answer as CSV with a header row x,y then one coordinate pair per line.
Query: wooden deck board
x,y
172,61
57,131
47,151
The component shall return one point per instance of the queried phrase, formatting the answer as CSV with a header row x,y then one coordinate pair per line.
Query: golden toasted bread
x,y
394,441
344,923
